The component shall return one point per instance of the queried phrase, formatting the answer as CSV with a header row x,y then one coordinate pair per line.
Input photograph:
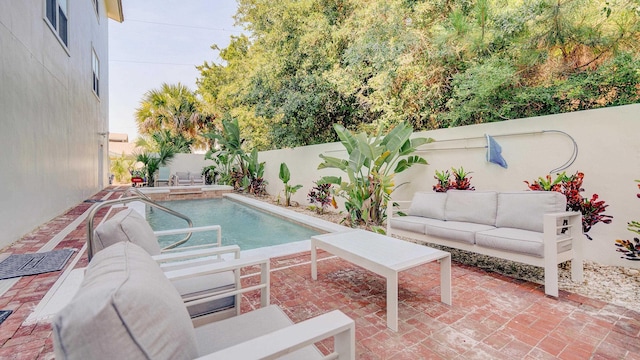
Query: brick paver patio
x,y
492,316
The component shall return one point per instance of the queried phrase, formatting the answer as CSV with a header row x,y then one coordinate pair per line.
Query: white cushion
x,y
412,223
428,204
125,309
127,225
206,284
512,240
455,230
471,206
250,325
525,209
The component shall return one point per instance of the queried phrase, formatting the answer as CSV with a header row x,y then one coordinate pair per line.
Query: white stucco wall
x,y
50,119
608,154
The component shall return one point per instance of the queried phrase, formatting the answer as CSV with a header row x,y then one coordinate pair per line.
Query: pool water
x,y
241,225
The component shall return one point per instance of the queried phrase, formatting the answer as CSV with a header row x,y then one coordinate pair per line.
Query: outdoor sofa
x,y
181,178
530,227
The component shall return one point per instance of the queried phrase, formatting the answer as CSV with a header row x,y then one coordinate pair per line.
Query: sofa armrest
x,y
281,342
234,265
391,210
564,226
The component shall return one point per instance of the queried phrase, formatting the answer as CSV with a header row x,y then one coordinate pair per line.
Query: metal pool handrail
x,y
142,198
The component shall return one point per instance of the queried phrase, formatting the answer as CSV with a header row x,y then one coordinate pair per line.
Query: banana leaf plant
x,y
370,170
289,190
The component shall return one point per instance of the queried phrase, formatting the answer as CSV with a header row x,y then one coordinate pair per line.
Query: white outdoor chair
x,y
126,308
214,297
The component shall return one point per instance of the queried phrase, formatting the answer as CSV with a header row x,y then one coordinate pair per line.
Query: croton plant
x,y
631,249
571,186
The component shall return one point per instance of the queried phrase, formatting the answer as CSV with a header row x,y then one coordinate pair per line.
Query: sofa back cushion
x,y
471,206
525,209
125,308
127,225
428,204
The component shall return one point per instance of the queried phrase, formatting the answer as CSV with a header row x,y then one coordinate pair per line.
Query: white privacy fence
x,y
606,150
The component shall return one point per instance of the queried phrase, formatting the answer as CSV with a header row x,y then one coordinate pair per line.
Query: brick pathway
x,y
492,316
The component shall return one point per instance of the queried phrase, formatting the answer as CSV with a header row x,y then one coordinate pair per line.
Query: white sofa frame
x,y
570,228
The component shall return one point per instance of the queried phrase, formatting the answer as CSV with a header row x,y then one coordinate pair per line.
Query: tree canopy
x,y
309,64
175,113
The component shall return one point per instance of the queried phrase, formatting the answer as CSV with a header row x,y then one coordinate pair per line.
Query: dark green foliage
x,y
310,64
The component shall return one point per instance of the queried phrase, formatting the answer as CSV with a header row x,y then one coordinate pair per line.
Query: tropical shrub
x,y
370,168
237,168
631,249
443,181
289,190
571,186
461,180
209,172
321,195
254,174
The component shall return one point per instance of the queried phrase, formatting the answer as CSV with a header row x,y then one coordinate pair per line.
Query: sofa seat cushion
x,y
517,241
412,223
207,284
477,207
525,209
428,205
456,230
512,240
127,225
125,309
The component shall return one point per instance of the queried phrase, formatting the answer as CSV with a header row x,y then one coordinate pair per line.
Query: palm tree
x,y
173,108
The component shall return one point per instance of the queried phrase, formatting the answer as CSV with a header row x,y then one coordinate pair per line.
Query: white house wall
x,y
50,119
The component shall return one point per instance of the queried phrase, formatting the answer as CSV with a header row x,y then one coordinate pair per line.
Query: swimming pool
x,y
241,225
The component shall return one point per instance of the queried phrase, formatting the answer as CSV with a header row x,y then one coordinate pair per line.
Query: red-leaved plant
x,y
461,180
571,186
631,249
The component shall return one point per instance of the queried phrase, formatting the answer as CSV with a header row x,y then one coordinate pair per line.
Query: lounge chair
x,y
181,178
127,308
203,296
197,179
164,176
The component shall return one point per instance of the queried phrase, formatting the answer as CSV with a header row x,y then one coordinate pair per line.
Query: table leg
x,y
392,301
445,279
314,262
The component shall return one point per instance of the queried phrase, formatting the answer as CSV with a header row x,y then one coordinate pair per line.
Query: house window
x,y
56,13
95,67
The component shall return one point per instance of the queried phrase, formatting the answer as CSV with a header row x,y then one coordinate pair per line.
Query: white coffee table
x,y
385,256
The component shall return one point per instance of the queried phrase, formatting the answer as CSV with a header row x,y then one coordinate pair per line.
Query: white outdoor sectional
x,y
531,227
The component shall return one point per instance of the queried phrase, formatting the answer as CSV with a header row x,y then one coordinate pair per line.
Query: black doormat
x,y
4,314
32,264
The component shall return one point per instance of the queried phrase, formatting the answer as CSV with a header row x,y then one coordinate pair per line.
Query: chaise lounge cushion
x,y
127,225
428,204
477,207
125,309
206,284
525,210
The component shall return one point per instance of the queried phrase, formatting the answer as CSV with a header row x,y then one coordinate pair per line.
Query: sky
x,y
161,41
